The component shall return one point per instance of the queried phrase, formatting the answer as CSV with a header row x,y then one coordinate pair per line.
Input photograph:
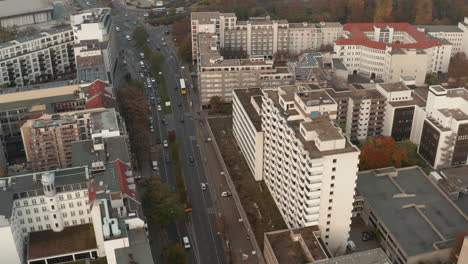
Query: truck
x,y
155,165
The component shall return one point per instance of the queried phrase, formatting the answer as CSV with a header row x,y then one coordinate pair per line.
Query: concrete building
x,y
48,140
71,214
309,166
390,51
247,127
262,36
219,77
37,58
93,25
304,245
455,34
24,12
416,221
444,135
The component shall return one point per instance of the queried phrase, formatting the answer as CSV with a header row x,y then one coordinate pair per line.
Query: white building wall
x,y
418,121
10,253
464,27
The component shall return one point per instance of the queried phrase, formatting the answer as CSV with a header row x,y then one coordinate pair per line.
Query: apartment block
x,y
247,127
219,77
416,221
262,36
37,58
444,136
48,139
455,34
390,51
309,166
361,110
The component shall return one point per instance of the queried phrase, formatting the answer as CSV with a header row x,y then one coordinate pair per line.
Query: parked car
x,y
203,186
225,194
191,159
186,242
159,108
165,144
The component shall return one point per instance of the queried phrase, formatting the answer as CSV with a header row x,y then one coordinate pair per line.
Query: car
x,y
191,159
151,130
117,29
126,14
208,139
186,242
159,108
203,186
153,80
134,22
152,97
164,43
167,158
165,144
128,37
162,39
124,62
159,100
158,48
164,121
181,119
225,194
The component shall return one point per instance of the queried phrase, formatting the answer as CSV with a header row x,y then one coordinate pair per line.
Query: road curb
x,y
235,196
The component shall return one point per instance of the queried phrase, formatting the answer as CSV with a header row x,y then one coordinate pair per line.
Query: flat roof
x,y
317,97
394,87
455,113
245,96
417,100
104,120
457,176
407,225
72,239
372,256
34,94
10,8
324,129
440,28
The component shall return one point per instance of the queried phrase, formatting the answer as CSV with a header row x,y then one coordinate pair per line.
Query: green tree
x,y
176,254
431,79
383,11
185,50
160,203
140,36
216,104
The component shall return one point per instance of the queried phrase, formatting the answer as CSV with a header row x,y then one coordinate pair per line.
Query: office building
x,y
247,127
304,245
390,51
24,12
308,165
261,35
455,34
415,220
219,77
444,135
48,139
37,58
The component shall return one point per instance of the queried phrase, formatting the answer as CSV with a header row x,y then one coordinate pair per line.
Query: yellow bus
x,y
183,89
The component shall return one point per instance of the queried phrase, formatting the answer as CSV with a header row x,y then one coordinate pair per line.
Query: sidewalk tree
x,y
156,59
160,203
458,69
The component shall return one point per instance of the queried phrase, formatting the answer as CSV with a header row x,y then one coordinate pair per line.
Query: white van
x,y
142,56
142,64
186,242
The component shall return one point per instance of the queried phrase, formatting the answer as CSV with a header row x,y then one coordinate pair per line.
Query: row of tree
x,y
411,11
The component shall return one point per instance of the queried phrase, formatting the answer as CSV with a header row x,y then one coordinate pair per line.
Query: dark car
x,y
181,119
167,158
191,159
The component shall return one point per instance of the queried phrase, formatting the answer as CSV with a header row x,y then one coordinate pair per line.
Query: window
x,y
70,205
44,209
28,211
327,236
334,160
20,213
80,212
22,221
329,207
56,224
46,217
328,222
36,210
329,216
72,213
61,197
38,219
65,215
331,193
30,220
39,227
47,226
327,230
82,220
333,169
332,185
62,206
24,230
66,223
53,207
74,222
55,216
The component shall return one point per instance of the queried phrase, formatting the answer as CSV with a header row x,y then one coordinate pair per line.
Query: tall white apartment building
x,y
444,135
37,58
308,165
455,34
219,77
247,127
390,51
262,36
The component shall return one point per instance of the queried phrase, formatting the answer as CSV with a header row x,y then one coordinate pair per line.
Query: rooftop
x,y
372,256
324,129
417,100
22,186
115,148
288,251
317,97
439,28
457,177
394,87
245,96
11,8
105,120
393,195
72,239
455,113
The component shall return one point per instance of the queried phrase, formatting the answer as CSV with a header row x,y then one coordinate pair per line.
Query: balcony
x,y
313,201
313,209
313,193
313,217
314,186
313,178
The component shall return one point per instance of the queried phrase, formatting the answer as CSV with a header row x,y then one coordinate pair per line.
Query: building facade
x,y
309,166
37,58
219,77
444,135
390,51
262,36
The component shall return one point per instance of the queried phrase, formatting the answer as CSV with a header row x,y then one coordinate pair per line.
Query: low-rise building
x,y
37,58
390,51
416,221
444,134
24,12
219,77
455,34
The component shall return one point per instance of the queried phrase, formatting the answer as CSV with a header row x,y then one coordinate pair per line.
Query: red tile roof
x,y
99,97
97,87
124,184
359,38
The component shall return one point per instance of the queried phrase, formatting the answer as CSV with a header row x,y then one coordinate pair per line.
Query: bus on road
x,y
183,89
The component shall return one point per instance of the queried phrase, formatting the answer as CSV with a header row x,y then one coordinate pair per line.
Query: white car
x,y
162,39
186,242
159,108
128,37
165,144
164,43
203,186
117,29
225,194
